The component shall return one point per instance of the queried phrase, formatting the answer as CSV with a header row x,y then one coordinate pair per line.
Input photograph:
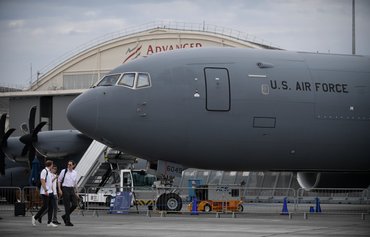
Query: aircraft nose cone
x,y
82,113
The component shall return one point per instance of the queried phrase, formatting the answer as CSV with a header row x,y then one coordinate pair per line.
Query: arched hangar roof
x,y
80,70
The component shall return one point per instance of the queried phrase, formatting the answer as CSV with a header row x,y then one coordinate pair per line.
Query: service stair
x,y
99,164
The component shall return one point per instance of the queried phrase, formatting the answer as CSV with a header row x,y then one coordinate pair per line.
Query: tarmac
x,y
103,224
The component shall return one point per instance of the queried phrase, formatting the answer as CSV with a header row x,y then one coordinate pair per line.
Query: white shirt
x,y
70,179
49,181
54,184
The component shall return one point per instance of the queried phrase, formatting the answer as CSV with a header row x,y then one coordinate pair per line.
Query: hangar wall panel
x,y
112,58
19,108
60,104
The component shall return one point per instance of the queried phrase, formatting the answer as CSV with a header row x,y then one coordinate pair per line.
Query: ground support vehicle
x,y
217,198
149,189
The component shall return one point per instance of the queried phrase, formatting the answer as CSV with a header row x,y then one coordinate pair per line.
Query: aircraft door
x,y
217,89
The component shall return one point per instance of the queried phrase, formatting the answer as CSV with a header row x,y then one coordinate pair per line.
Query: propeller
x,y
30,135
3,142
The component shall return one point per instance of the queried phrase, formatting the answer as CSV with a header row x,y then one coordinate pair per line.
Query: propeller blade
x,y
6,136
38,129
30,135
26,139
2,125
31,119
25,150
3,142
31,155
2,162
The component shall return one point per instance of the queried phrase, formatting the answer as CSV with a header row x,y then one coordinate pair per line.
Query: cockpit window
x,y
143,80
109,80
127,80
135,80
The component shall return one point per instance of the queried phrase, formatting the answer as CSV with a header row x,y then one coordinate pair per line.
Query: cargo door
x,y
217,89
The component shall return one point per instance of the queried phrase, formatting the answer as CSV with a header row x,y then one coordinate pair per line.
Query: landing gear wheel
x,y
173,202
169,202
160,203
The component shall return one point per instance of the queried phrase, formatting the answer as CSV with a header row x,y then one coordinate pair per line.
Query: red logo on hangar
x,y
135,52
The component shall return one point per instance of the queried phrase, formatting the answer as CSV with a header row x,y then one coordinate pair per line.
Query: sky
x,y
35,33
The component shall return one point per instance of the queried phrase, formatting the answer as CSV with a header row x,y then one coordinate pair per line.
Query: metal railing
x,y
9,196
254,200
216,199
334,195
333,200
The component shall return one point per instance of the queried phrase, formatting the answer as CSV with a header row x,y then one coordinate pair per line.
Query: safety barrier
x,y
283,201
267,200
230,199
8,196
334,195
215,199
31,197
333,200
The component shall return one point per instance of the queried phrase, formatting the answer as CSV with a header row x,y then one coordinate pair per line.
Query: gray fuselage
x,y
237,109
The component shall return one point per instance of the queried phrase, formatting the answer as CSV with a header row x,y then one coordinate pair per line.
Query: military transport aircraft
x,y
58,145
238,109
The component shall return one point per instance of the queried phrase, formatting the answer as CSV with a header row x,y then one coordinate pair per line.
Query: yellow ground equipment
x,y
217,198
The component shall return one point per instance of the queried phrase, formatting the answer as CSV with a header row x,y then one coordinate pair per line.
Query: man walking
x,y
46,191
68,190
55,201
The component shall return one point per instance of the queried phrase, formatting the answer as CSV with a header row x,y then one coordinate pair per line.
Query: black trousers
x,y
47,204
55,209
69,201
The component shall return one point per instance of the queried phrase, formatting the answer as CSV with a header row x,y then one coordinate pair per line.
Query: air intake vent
x,y
265,65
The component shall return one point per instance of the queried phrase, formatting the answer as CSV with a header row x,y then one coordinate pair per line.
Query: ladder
x,y
91,160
